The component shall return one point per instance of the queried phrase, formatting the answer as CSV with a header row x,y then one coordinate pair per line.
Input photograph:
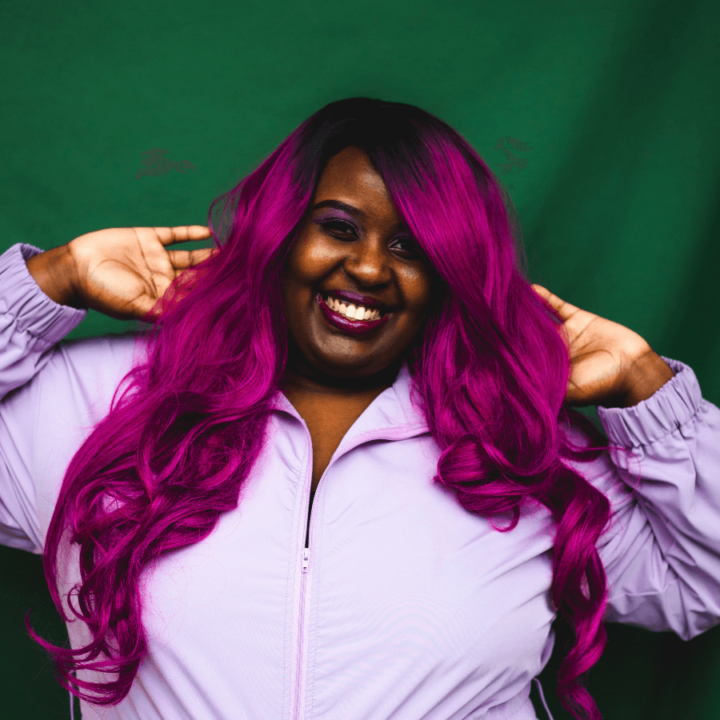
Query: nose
x,y
368,262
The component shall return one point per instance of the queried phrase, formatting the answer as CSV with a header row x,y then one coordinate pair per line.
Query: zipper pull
x,y
306,559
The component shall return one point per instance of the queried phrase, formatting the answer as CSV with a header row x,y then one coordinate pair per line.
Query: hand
x,y
612,366
122,272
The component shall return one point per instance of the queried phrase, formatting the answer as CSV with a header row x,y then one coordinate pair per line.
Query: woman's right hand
x,y
122,272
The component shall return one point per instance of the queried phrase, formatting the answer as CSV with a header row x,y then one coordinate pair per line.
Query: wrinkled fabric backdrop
x,y
601,118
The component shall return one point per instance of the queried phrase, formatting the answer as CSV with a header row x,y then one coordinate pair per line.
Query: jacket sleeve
x,y
51,394
661,550
30,322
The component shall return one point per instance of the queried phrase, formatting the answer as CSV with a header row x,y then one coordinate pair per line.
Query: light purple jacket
x,y
405,606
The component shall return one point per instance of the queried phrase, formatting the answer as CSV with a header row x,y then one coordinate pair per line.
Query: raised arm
x,y
661,551
121,272
51,394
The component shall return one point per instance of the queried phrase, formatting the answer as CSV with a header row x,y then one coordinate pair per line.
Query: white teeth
x,y
351,311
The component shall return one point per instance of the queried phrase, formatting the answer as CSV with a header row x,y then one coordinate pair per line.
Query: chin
x,y
350,369
357,368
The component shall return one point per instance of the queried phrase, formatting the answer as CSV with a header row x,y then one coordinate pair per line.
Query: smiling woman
x,y
339,477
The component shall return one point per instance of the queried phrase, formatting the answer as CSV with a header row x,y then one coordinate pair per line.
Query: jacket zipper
x,y
299,660
298,705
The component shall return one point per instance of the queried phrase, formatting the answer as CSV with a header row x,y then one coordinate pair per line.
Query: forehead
x,y
350,177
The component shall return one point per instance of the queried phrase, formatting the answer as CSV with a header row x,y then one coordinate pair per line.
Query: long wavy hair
x,y
490,370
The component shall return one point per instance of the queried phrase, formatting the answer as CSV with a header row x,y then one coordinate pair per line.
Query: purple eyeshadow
x,y
334,214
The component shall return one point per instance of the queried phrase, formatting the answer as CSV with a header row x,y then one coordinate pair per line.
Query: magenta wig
x,y
490,372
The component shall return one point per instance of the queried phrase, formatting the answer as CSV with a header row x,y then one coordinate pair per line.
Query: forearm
x,y
55,272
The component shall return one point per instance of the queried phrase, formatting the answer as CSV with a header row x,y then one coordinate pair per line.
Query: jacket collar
x,y
391,415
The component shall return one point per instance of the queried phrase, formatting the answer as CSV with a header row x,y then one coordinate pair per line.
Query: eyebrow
x,y
340,206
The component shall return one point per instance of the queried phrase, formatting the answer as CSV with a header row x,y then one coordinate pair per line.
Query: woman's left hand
x,y
612,366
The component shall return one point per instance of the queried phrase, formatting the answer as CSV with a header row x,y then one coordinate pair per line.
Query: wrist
x,y
55,273
644,378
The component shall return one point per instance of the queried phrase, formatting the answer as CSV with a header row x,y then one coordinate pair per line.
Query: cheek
x,y
310,260
418,292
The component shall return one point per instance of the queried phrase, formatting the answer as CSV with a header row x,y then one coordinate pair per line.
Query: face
x,y
353,257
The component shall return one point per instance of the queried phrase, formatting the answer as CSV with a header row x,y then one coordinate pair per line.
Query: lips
x,y
351,327
357,299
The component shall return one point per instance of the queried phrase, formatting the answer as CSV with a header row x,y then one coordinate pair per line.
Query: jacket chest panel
x,y
406,580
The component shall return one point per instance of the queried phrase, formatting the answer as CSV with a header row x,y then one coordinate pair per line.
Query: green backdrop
x,y
601,117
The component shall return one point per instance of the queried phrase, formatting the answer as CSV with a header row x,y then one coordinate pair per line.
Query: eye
x,y
411,248
338,228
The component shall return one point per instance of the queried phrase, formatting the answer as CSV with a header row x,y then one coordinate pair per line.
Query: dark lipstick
x,y
351,327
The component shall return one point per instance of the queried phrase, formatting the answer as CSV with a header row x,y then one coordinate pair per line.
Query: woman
x,y
339,479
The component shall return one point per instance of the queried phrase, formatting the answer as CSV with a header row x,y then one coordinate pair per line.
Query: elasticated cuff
x,y
670,407
21,298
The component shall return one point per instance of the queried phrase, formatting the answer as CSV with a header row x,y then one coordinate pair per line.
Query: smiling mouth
x,y
352,311
350,318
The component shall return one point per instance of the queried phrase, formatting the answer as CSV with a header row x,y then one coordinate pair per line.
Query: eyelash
x,y
340,227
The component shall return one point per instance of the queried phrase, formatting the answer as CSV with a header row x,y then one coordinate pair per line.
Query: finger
x,y
182,259
144,310
563,308
181,233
